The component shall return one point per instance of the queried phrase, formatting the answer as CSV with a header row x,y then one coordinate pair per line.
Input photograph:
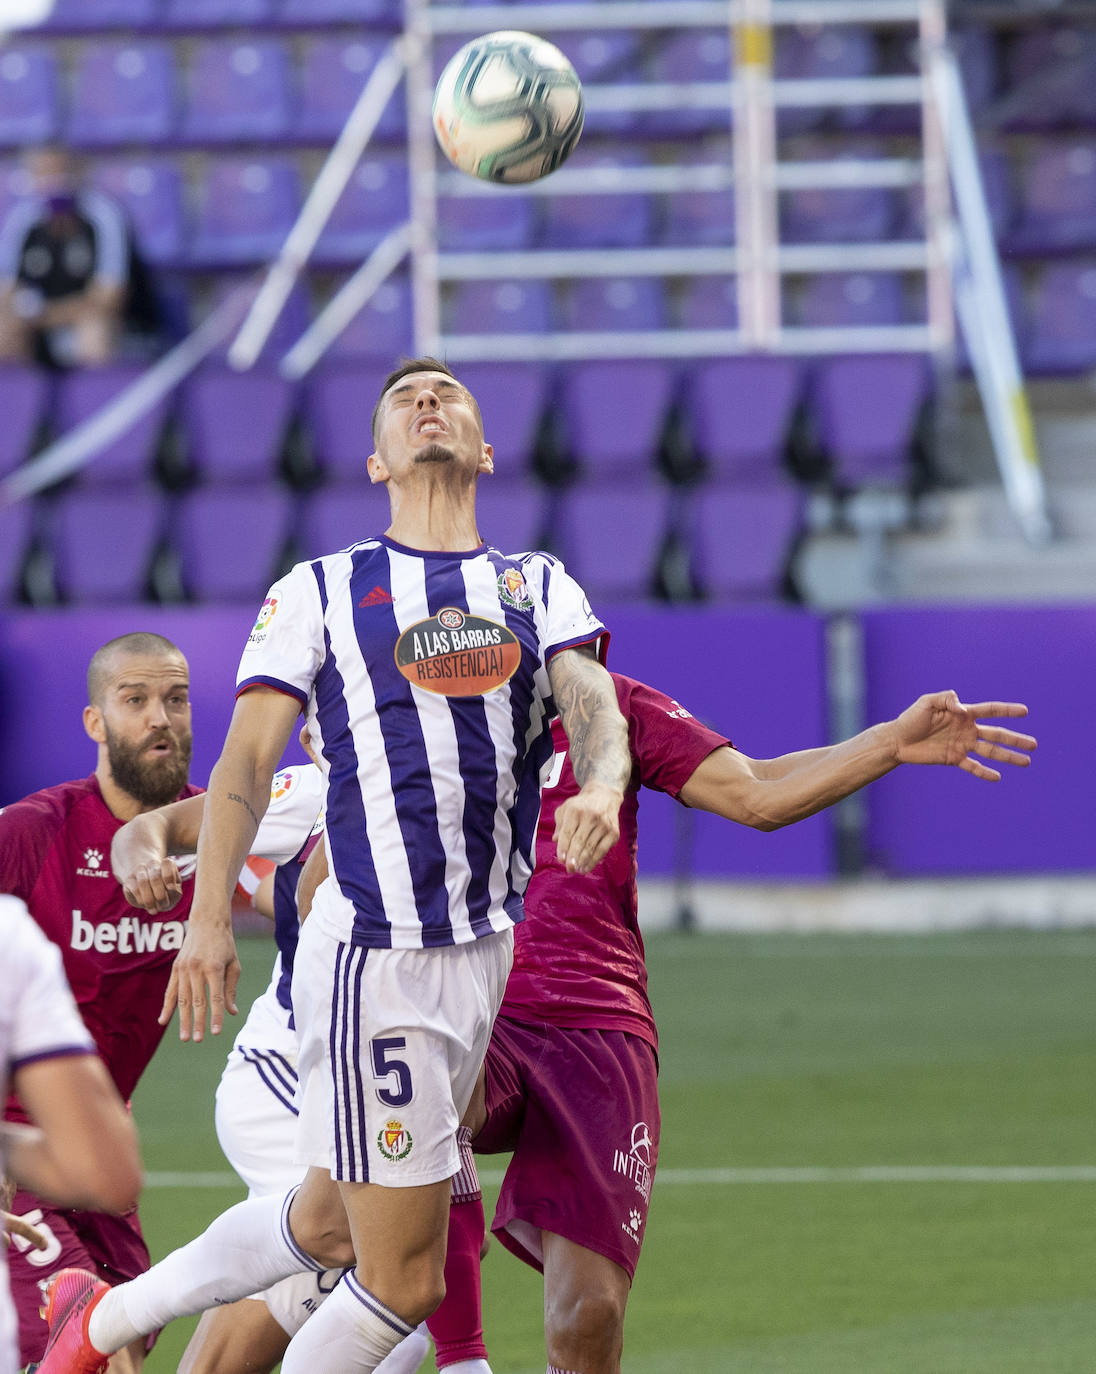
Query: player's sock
x,y
352,1332
245,1250
408,1355
554,1369
457,1325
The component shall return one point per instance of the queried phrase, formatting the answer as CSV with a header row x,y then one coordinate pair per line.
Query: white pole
x,y
345,304
980,296
754,136
422,169
316,211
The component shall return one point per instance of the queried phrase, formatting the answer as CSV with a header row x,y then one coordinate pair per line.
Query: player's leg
x,y
585,1296
242,1338
592,1100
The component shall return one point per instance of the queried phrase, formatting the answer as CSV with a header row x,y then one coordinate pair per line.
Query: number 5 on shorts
x,y
384,1066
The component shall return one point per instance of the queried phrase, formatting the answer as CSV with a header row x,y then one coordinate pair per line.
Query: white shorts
x,y
391,1041
256,1116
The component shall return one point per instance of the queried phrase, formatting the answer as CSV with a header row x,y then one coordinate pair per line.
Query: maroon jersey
x,y
578,956
55,854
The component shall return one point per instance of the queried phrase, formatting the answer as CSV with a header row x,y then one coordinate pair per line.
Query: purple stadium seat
x,y
610,537
151,192
337,405
202,14
852,298
709,303
624,219
82,394
25,395
1058,212
123,91
104,542
605,58
1063,320
686,56
866,409
15,183
510,513
1052,80
77,16
237,90
698,216
340,514
333,71
30,109
16,525
375,201
612,303
291,323
315,14
383,328
512,397
497,220
863,214
740,413
235,423
230,541
742,538
248,206
814,52
613,414
499,307
998,187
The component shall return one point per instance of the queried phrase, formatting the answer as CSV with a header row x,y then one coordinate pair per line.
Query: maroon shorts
x,y
112,1247
579,1109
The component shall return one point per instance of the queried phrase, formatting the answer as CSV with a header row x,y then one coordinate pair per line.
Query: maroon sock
x,y
457,1325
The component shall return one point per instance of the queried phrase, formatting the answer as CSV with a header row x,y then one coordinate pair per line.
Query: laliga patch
x,y
394,1141
282,784
258,634
513,591
457,655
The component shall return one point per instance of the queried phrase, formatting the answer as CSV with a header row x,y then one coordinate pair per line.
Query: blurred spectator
x,y
73,287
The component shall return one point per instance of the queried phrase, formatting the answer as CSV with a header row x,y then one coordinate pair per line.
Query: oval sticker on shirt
x,y
457,655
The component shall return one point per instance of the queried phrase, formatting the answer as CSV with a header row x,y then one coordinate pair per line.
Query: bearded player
x,y
55,855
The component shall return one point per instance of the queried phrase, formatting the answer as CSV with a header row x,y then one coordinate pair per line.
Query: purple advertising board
x,y
756,674
924,821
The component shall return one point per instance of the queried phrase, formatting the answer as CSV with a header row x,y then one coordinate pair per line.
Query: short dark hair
x,y
405,368
137,642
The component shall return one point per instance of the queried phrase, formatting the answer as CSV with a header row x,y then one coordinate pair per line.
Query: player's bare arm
x,y
82,1150
587,825
936,729
207,970
140,853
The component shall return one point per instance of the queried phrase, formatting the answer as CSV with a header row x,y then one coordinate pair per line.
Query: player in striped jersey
x,y
429,666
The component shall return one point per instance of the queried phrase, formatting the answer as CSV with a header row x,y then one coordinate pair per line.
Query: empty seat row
x,y
77,16
95,547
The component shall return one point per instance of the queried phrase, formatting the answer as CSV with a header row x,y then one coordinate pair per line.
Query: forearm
x,y
797,785
597,733
239,792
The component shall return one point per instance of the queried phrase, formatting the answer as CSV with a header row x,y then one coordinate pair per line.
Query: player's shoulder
x,y
49,806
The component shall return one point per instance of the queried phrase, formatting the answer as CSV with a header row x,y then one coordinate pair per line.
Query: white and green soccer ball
x,y
508,107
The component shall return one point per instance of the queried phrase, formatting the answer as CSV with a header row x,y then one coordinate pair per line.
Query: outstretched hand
x,y
204,977
938,728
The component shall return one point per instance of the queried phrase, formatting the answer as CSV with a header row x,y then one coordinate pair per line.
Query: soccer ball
x,y
508,107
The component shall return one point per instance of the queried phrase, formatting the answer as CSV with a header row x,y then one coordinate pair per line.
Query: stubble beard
x,y
155,781
435,453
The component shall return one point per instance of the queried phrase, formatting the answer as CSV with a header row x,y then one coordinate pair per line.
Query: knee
x,y
585,1329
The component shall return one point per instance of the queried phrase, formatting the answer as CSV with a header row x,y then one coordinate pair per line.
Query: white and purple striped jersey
x,y
424,678
38,1020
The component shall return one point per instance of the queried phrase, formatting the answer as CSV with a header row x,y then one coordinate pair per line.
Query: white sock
x,y
352,1333
243,1251
409,1354
467,1367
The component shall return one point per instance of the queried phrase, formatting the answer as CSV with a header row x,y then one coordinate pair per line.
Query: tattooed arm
x,y
587,825
207,970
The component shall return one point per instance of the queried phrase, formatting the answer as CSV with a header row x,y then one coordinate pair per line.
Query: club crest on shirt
x,y
455,654
394,1141
513,591
259,630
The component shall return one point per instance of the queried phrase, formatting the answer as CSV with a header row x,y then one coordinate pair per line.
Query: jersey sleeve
x,y
568,619
296,804
286,644
27,830
43,1020
667,741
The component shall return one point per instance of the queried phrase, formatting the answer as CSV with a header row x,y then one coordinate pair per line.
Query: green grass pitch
x,y
830,1053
